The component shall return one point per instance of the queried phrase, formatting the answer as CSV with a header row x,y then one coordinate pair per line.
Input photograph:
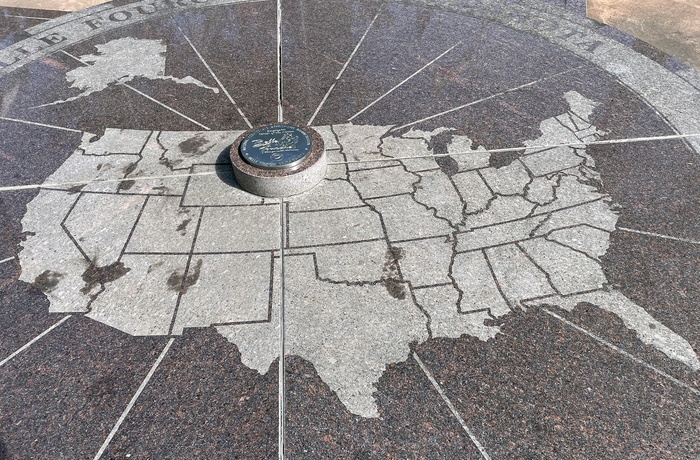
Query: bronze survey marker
x,y
276,147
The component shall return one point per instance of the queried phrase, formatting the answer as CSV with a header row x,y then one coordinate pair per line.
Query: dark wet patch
x,y
438,145
396,253
153,266
126,185
75,189
395,288
47,280
104,386
177,283
95,275
131,168
391,279
3,450
183,226
501,159
193,145
448,165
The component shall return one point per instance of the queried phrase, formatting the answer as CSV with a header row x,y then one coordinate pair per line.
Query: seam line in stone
x,y
340,163
484,99
453,409
658,235
406,79
281,377
280,112
218,82
165,106
133,399
34,340
27,122
340,74
622,352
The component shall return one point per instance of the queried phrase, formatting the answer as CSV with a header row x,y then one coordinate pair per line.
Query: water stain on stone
x,y
182,228
75,189
395,288
3,450
95,275
193,145
501,159
438,145
126,184
153,267
131,168
391,279
47,280
104,386
177,283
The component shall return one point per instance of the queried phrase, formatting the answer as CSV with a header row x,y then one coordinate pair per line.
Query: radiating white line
x,y
479,101
281,377
444,397
530,147
218,82
407,79
133,400
25,17
468,152
340,74
165,106
658,235
7,260
34,340
41,124
280,112
75,57
622,352
100,181
149,97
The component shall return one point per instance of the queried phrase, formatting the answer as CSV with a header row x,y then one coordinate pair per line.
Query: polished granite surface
x,y
501,262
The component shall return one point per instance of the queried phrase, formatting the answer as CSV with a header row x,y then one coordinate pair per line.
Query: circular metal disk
x,y
276,146
281,181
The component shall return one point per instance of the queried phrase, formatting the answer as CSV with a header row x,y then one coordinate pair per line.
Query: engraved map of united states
x,y
380,255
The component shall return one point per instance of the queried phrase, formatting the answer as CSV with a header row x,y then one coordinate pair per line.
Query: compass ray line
x,y
218,82
88,182
27,122
478,101
165,106
74,57
34,340
280,111
407,79
186,273
453,409
437,155
658,235
281,380
340,74
7,260
622,352
530,147
144,94
133,399
25,17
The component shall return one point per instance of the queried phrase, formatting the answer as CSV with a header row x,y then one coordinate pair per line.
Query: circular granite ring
x,y
280,182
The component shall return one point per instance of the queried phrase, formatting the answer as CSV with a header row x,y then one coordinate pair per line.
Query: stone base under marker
x,y
281,182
